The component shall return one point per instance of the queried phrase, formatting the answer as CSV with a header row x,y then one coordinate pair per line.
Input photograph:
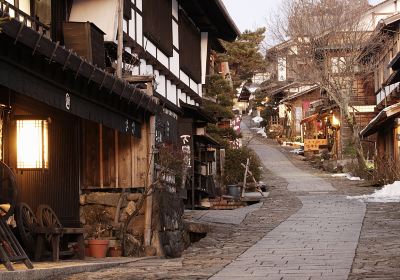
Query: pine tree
x,y
244,56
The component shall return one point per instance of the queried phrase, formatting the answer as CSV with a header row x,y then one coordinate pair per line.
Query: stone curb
x,y
54,272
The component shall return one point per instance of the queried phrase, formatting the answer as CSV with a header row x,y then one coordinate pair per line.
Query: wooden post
x,y
120,47
116,156
245,177
101,171
151,132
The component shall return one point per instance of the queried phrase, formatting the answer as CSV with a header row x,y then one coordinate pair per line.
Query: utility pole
x,y
120,36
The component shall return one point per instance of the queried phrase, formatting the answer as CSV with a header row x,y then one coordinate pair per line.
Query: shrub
x,y
234,171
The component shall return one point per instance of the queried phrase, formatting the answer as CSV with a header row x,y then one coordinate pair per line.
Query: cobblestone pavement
x,y
377,254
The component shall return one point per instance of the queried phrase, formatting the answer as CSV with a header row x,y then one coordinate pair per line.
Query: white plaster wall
x,y
161,85
142,67
174,63
204,56
184,78
200,91
135,70
139,29
171,92
175,34
175,9
139,4
132,26
161,57
193,85
182,96
103,13
149,46
149,69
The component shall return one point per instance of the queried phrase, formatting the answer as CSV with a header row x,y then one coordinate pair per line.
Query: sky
x,y
250,17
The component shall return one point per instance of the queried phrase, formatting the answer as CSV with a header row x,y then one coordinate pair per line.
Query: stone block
x,y
133,196
82,199
136,227
130,208
107,199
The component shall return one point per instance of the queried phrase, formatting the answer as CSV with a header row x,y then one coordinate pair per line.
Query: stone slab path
x,y
223,216
298,180
317,242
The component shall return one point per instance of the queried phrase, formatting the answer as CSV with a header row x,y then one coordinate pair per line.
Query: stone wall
x,y
169,238
97,214
169,234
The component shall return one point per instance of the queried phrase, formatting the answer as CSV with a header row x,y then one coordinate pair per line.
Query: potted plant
x,y
115,249
98,245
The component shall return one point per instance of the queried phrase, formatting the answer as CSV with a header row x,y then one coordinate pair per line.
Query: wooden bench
x,y
53,235
45,230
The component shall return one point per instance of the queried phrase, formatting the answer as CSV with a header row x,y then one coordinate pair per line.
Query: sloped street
x,y
305,229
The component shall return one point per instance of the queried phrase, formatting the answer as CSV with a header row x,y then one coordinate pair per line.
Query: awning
x,y
70,61
300,93
393,78
207,140
309,119
195,112
395,62
68,82
21,82
385,115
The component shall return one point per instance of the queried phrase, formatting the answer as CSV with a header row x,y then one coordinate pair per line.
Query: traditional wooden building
x,y
70,128
385,126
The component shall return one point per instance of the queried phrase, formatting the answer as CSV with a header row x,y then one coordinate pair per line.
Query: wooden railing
x,y
8,10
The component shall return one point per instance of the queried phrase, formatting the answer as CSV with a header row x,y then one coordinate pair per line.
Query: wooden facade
x,y
157,18
98,139
189,41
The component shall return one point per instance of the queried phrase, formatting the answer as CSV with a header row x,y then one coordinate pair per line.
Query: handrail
x,y
21,16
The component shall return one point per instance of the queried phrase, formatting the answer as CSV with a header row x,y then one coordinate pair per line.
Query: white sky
x,y
251,16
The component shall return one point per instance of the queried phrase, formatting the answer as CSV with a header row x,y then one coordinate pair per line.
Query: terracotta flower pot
x,y
98,248
115,251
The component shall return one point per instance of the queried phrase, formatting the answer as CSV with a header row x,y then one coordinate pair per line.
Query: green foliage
x,y
234,171
222,135
217,85
217,111
244,55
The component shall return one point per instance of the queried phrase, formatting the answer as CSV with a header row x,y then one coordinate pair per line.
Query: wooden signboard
x,y
314,144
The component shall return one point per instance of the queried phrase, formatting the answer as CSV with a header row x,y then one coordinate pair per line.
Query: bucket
x,y
233,190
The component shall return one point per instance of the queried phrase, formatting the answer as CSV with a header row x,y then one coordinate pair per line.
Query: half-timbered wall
x,y
155,26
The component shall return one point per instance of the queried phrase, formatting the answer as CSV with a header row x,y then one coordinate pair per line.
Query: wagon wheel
x,y
47,217
8,191
26,222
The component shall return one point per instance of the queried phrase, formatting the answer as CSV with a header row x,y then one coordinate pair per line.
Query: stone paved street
x,y
305,229
319,241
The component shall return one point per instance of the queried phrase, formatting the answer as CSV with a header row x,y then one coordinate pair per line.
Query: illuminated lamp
x,y
32,143
335,122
